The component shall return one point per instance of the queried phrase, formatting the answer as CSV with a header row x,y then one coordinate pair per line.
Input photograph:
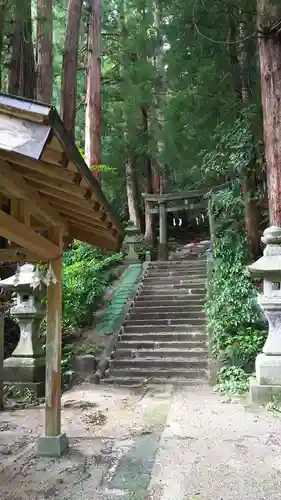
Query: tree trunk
x,y
161,97
269,27
150,228
93,97
70,58
252,177
44,51
22,66
132,192
2,19
130,157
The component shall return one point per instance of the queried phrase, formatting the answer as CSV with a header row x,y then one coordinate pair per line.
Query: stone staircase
x,y
164,337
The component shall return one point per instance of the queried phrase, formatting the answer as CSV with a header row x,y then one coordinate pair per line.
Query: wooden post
x,y
163,244
211,221
1,361
54,443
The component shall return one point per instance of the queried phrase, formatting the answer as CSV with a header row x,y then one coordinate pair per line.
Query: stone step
x,y
176,292
167,307
136,381
192,298
164,334
175,279
158,363
165,318
176,274
159,353
157,372
170,312
165,345
183,322
168,264
155,285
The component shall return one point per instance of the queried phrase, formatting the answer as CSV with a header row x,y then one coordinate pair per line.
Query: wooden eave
x,y
45,183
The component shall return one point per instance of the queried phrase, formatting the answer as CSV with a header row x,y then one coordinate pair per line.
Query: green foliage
x,y
67,371
86,274
232,381
234,317
275,404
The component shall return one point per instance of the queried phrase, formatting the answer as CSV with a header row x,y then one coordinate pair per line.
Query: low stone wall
x,y
116,312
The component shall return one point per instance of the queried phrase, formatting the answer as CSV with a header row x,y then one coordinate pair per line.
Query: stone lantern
x,y
25,369
268,363
132,238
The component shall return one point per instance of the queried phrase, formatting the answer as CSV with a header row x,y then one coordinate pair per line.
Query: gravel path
x,y
161,443
214,450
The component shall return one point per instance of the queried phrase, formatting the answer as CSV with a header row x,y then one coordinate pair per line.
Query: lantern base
x,y
25,373
268,369
20,388
262,394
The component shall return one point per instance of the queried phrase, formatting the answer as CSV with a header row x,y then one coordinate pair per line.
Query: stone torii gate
x,y
192,201
48,196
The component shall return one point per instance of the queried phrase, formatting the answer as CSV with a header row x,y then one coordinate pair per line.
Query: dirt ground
x,y
150,443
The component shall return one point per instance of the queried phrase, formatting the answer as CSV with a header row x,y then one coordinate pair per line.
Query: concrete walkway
x,y
160,443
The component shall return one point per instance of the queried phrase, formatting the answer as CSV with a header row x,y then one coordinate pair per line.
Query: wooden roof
x,y
45,183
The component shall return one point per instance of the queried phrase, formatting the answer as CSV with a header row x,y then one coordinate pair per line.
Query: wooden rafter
x,y
19,233
19,254
17,187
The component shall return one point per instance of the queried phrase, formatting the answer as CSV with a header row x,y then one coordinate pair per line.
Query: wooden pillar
x,y
211,221
1,361
54,443
163,243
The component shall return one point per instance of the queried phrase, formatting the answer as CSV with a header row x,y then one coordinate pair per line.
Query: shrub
x,y
234,317
86,274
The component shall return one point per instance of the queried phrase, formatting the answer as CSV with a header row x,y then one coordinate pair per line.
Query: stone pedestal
x,y
132,237
25,369
268,363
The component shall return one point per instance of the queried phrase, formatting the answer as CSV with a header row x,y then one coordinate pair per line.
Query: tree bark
x,y
160,96
70,59
2,18
22,66
44,51
93,97
132,192
129,157
252,178
269,29
150,227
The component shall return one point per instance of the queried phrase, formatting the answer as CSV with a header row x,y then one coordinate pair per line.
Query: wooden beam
x,y
91,228
54,157
53,344
87,215
37,179
184,195
19,188
177,208
18,233
55,144
21,211
17,161
80,208
96,240
19,254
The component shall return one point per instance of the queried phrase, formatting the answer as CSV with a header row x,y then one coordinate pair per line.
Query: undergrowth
x,y
87,272
234,318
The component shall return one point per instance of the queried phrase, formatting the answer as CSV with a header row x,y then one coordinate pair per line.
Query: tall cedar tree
x,y
130,156
22,66
44,51
269,36
93,97
70,58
